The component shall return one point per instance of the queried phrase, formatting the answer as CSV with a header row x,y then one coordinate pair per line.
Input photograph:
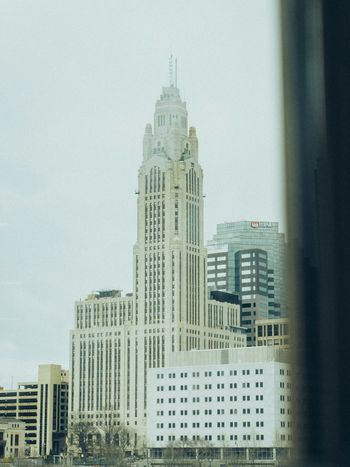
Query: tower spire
x,y
176,72
172,71
171,83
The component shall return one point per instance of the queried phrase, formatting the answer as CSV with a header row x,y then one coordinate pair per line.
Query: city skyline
x,y
67,218
115,339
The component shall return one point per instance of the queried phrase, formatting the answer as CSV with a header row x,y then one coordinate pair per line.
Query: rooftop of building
x,y
6,420
276,320
248,225
106,294
228,356
224,297
245,229
27,385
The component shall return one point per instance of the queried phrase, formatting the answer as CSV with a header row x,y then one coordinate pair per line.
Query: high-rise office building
x,y
252,284
116,339
53,409
232,237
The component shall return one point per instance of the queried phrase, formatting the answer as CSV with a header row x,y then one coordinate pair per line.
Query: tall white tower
x,y
169,256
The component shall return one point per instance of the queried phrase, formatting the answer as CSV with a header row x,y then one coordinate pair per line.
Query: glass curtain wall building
x,y
232,237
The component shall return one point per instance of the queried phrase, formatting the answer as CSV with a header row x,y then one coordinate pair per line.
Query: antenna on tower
x,y
176,72
172,71
171,78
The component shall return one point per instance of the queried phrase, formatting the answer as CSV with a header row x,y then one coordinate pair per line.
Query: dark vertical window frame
x,y
316,75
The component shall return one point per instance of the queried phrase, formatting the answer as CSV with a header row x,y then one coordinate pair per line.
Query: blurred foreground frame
x,y
316,80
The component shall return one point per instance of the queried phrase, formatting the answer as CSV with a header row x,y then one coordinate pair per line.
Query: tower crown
x,y
170,112
170,138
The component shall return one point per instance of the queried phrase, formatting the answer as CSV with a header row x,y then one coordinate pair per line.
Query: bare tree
x,y
170,450
203,449
198,449
81,436
116,442
108,439
181,445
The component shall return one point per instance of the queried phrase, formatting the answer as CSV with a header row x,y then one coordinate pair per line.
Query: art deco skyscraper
x,y
169,256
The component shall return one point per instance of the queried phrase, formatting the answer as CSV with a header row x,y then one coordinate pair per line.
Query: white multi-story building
x,y
117,339
222,399
102,369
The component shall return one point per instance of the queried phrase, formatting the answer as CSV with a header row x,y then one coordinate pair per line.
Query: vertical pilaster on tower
x,y
147,142
194,142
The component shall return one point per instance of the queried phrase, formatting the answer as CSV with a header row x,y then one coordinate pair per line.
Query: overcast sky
x,y
78,83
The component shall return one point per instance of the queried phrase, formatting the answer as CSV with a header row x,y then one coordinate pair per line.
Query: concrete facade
x,y
12,444
53,409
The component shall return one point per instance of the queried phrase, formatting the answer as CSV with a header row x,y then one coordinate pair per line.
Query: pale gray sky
x,y
78,82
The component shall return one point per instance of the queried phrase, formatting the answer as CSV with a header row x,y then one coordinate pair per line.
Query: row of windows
x,y
212,259
271,342
196,387
184,400
273,330
213,275
212,267
102,306
258,410
283,411
258,371
244,424
219,283
218,437
258,397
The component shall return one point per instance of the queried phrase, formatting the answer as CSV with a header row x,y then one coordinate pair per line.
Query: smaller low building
x,y
22,403
223,328
12,442
272,332
43,407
